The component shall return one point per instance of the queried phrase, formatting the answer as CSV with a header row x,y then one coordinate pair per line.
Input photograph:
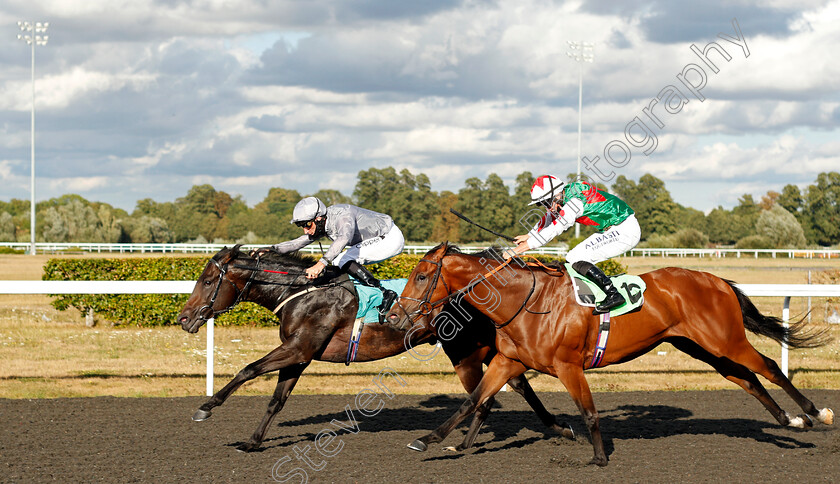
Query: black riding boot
x,y
591,272
361,274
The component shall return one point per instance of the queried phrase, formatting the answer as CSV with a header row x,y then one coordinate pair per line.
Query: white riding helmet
x,y
545,188
307,209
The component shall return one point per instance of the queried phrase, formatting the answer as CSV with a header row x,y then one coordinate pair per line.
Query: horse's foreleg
x,y
469,371
521,386
285,384
573,379
281,357
478,420
500,370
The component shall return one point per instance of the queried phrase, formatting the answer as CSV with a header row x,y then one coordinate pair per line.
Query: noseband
x,y
424,306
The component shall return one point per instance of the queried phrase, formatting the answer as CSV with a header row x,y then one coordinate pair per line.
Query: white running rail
x,y
185,287
186,248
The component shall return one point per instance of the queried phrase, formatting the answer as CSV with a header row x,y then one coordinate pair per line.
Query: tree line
x,y
793,217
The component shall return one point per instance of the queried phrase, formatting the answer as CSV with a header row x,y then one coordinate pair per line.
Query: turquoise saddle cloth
x,y
371,297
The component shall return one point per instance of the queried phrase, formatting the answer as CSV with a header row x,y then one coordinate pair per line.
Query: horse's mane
x,y
450,248
296,259
289,259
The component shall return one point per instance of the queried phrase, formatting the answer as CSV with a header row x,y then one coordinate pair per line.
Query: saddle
x,y
588,294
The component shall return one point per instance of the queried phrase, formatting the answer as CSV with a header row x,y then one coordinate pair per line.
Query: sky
x,y
140,99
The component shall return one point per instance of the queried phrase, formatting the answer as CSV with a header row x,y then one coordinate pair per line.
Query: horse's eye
x,y
206,283
421,277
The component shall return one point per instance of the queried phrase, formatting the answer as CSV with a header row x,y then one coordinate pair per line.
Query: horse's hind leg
x,y
768,368
736,370
736,373
285,384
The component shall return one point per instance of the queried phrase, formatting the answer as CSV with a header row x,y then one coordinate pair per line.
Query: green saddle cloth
x,y
587,293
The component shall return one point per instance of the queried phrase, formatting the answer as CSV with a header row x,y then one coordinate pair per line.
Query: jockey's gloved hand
x,y
260,251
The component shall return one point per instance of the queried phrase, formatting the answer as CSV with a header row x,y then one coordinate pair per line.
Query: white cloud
x,y
81,185
143,99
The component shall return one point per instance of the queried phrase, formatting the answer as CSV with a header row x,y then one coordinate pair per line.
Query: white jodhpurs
x,y
601,246
373,250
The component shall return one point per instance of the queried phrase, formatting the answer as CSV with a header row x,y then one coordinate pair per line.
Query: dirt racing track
x,y
650,437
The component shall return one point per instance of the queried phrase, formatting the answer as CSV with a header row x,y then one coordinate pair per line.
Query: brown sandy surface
x,y
693,436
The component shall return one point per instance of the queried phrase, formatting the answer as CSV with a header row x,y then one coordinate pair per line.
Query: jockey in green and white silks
x,y
580,201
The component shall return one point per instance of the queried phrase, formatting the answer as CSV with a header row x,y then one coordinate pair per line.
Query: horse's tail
x,y
794,334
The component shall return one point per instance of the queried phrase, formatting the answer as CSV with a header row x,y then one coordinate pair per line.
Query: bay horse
x,y
541,327
316,324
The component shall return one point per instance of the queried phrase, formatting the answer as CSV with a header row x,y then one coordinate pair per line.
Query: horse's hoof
x,y
801,422
568,433
247,447
600,462
826,416
201,415
418,446
450,449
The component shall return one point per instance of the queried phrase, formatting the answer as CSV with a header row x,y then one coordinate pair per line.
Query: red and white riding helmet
x,y
545,188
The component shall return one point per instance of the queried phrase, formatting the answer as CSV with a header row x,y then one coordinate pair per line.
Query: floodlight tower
x,y
30,35
581,52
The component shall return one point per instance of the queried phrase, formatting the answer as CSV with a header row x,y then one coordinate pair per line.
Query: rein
x,y
258,269
223,270
425,306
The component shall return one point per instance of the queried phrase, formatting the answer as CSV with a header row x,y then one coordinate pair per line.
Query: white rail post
x,y
210,351
785,318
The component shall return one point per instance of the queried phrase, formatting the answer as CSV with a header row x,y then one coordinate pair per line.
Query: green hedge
x,y
135,309
161,309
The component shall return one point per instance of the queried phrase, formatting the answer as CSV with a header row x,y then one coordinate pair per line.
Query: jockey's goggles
x,y
548,202
304,224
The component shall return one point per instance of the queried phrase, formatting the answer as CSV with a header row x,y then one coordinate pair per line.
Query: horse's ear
x,y
229,254
234,252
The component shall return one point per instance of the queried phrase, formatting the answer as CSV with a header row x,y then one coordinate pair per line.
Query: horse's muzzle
x,y
188,324
395,321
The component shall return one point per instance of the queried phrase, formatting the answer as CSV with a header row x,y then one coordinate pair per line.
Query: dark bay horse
x,y
315,324
540,326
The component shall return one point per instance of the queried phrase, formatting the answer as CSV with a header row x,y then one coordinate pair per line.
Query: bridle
x,y
240,294
425,306
223,269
